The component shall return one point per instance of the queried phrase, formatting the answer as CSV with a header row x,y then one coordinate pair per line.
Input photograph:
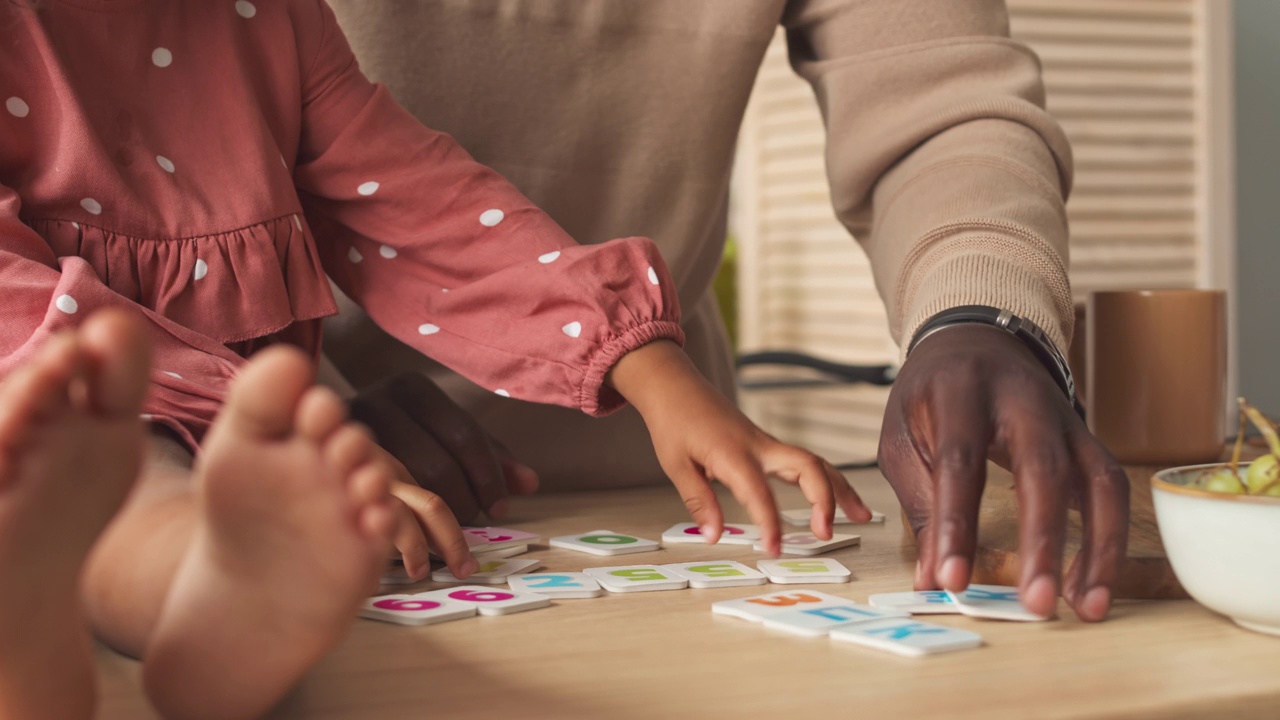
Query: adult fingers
x,y
458,433
1043,471
1104,508
431,466
963,433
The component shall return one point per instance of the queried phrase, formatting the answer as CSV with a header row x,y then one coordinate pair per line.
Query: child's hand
x,y
700,436
425,522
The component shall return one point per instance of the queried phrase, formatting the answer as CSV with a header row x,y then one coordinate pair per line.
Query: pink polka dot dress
x,y
211,164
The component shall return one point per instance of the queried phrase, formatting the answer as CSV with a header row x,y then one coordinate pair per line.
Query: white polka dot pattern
x,y
246,9
490,218
202,269
428,329
387,252
17,107
573,329
549,257
165,164
162,57
93,207
67,304
368,188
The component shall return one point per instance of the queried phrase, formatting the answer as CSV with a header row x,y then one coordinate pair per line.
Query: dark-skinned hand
x,y
972,393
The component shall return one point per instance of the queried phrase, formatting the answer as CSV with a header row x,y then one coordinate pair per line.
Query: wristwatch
x,y
1028,332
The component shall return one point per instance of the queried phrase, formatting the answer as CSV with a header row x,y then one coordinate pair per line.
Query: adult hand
x,y
973,392
441,446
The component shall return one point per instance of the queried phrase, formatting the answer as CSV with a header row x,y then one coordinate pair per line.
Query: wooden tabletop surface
x,y
664,655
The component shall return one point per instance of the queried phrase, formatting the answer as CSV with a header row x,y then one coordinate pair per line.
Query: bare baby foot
x,y
296,527
70,450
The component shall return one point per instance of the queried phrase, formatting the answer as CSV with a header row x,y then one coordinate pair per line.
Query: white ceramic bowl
x,y
1225,549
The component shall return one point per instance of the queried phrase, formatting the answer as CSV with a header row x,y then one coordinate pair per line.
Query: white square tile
x,y
492,572
415,609
925,602
803,543
733,534
489,600
801,517
907,637
717,573
994,602
603,542
806,570
567,585
636,578
820,619
759,607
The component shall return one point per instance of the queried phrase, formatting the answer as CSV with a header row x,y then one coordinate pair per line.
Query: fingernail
x,y
708,532
952,573
468,567
498,510
1096,603
1040,593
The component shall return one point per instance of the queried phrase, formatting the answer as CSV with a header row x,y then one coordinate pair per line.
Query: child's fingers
x,y
699,499
846,497
810,473
410,540
746,478
442,530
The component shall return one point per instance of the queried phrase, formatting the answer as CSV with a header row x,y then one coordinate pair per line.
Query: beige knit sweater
x,y
619,117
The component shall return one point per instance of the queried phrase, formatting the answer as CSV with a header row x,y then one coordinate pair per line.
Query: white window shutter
x,y
1123,77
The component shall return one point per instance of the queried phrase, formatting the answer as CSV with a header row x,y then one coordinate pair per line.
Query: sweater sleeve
x,y
942,160
44,294
451,259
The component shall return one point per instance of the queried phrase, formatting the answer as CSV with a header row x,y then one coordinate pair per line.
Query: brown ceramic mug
x,y
1157,374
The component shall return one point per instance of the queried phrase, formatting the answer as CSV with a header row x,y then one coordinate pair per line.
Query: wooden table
x,y
663,654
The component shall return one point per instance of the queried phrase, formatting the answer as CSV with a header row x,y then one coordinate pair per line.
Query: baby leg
x,y
70,449
248,571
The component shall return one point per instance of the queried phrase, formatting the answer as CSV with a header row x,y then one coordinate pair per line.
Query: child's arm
x,y
700,436
450,258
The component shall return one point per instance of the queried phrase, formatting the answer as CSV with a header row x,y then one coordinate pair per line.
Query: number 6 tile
x,y
415,609
489,600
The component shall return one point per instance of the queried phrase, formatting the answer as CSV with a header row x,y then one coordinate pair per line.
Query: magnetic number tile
x,y
759,607
801,517
636,578
803,543
485,555
994,602
492,538
733,534
603,542
717,573
490,601
557,585
926,602
907,637
807,570
493,572
820,619
415,609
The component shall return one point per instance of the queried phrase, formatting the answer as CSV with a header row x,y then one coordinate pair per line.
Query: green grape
x,y
1262,472
1222,480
